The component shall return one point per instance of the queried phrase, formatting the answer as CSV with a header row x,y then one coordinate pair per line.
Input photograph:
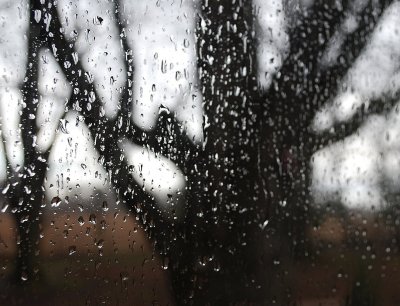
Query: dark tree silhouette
x,y
247,199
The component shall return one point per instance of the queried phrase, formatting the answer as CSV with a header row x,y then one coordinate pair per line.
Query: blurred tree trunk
x,y
227,203
27,193
247,173
303,85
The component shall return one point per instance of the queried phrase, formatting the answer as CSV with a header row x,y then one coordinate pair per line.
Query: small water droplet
x,y
4,208
165,263
265,223
62,126
72,250
38,15
186,43
124,276
81,221
4,191
24,276
92,219
164,67
75,57
55,202
100,243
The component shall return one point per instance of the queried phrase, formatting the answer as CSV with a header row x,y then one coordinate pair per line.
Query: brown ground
x,y
109,262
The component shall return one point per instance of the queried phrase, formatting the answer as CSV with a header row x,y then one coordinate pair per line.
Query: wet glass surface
x,y
202,152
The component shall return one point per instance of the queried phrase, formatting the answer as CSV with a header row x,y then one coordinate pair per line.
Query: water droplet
x,y
265,223
4,208
62,126
38,15
4,191
24,276
100,243
67,64
186,43
81,221
165,263
92,219
72,250
75,57
55,202
164,67
105,206
124,276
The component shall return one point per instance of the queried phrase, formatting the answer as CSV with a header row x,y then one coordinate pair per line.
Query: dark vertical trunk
x,y
27,194
226,199
28,225
302,86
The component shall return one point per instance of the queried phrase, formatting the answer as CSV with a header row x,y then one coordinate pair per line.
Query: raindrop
x,y
164,66
4,191
186,43
81,221
62,126
100,243
265,223
124,276
161,110
165,263
4,208
38,15
92,97
92,218
55,202
75,57
71,250
67,64
24,276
